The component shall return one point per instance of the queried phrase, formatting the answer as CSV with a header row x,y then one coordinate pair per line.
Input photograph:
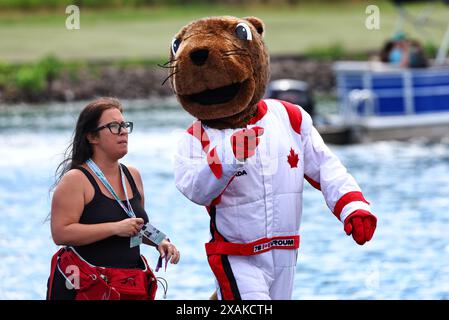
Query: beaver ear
x,y
257,23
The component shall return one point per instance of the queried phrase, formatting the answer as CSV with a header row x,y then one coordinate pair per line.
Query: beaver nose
x,y
199,57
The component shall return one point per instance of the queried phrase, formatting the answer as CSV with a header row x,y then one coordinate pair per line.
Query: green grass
x,y
145,34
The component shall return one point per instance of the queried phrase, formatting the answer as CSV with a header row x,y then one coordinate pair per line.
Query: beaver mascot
x,y
246,159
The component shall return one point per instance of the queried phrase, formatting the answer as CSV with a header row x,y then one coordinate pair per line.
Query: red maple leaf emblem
x,y
293,158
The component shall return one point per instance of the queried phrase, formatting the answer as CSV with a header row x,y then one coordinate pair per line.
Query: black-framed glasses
x,y
116,127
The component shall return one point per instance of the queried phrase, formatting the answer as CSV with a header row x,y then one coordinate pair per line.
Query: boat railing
x,y
359,99
365,89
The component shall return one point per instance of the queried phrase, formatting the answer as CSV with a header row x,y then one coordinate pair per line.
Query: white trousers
x,y
266,276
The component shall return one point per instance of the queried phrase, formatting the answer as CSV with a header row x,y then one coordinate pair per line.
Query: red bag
x,y
100,283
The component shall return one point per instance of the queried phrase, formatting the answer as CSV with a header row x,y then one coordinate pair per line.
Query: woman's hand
x,y
168,250
128,227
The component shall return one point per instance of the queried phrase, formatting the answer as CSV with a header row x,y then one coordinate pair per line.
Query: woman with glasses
x,y
97,210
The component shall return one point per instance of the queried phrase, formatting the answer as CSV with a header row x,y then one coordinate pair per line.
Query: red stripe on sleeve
x,y
214,163
198,132
213,160
348,198
314,184
217,200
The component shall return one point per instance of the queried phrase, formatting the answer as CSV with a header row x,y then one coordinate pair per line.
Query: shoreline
x,y
143,81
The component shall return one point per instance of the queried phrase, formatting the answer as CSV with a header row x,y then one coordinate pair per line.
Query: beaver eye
x,y
175,43
243,32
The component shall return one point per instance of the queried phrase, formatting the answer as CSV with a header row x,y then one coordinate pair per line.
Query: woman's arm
x,y
66,209
166,250
148,242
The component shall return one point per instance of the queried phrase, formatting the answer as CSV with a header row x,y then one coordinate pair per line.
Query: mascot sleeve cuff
x,y
353,206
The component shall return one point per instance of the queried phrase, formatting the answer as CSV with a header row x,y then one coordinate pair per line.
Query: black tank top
x,y
114,251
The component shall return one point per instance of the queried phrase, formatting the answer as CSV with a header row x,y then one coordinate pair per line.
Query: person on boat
x,y
97,211
403,52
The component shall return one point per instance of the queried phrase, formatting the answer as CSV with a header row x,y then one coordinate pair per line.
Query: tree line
x,y
57,4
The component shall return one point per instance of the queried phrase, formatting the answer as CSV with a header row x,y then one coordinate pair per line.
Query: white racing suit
x,y
255,206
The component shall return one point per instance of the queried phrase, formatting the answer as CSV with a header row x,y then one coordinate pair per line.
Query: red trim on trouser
x,y
348,198
312,182
220,264
252,248
294,114
223,278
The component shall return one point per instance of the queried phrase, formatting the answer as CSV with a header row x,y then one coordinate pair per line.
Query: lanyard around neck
x,y
129,210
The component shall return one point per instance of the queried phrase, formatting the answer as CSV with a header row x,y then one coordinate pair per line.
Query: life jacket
x,y
100,283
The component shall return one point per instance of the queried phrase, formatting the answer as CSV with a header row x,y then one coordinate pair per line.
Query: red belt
x,y
252,248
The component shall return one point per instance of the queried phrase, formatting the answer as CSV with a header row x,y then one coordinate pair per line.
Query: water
x,y
407,184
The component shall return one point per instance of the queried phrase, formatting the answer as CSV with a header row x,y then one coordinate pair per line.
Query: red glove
x,y
244,142
361,224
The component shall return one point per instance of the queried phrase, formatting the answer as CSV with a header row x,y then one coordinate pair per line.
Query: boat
x,y
378,101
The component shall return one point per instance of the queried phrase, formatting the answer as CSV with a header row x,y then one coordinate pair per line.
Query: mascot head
x,y
219,69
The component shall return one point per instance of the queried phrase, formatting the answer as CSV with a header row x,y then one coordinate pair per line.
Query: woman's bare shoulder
x,y
73,179
134,171
74,174
136,176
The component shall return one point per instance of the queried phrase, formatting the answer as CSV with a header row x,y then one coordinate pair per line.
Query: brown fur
x,y
230,60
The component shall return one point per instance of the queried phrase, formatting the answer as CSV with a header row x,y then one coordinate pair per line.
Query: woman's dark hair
x,y
385,51
80,149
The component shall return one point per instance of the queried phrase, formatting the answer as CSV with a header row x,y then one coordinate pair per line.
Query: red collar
x,y
261,111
